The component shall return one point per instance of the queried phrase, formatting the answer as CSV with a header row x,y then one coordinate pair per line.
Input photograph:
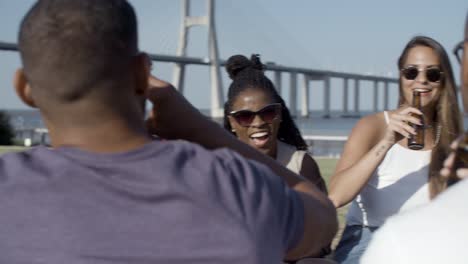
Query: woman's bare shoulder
x,y
371,123
369,129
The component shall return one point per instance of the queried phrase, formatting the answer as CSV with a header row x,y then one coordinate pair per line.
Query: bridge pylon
x,y
188,21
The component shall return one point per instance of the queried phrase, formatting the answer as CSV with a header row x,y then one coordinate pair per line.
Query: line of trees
x,y
6,130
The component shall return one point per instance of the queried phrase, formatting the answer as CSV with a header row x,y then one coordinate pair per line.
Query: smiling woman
x,y
378,170
258,116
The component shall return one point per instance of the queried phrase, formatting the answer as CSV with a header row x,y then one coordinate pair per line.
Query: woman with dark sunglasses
x,y
258,116
377,170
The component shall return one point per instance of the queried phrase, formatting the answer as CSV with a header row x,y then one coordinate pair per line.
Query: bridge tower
x,y
188,21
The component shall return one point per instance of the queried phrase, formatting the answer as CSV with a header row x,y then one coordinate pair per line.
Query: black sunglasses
x,y
458,50
432,74
268,114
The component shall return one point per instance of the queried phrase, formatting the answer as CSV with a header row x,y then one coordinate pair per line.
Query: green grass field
x,y
5,149
326,165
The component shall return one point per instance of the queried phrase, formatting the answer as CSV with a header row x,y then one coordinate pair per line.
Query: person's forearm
x,y
295,181
346,184
321,225
216,137
320,215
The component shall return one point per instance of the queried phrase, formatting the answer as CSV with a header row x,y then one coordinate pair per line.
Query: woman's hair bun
x,y
238,63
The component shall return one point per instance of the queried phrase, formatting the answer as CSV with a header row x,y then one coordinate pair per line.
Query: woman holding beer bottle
x,y
392,159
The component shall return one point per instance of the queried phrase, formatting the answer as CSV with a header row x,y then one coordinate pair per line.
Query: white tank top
x,y
290,157
399,183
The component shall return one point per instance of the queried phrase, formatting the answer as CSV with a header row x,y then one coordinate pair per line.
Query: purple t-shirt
x,y
167,202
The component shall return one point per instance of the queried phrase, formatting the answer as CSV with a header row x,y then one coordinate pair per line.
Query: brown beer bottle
x,y
416,142
461,159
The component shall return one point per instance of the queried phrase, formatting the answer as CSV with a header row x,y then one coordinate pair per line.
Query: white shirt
x,y
290,157
436,233
398,184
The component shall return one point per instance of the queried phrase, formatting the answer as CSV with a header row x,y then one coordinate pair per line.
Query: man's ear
x,y
23,89
142,73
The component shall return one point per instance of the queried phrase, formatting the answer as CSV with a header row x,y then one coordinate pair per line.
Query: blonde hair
x,y
448,115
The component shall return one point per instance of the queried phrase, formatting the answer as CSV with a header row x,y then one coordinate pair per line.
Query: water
x,y
314,125
312,128
25,121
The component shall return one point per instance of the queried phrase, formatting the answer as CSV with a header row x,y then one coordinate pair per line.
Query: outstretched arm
x,y
364,150
173,117
310,170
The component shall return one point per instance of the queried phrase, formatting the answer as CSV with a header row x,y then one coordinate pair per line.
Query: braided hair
x,y
249,74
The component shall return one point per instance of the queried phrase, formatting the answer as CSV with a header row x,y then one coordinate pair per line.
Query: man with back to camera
x,y
438,232
106,192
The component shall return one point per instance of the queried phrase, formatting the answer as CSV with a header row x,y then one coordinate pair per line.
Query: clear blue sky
x,y
359,36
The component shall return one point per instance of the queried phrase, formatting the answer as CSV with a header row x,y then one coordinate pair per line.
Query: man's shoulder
x,y
242,179
228,164
20,158
195,151
18,166
224,155
222,162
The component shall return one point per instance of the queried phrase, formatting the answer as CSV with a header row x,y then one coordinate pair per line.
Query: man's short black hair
x,y
69,47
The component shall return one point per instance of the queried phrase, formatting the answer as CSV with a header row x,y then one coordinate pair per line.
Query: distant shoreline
x,y
325,136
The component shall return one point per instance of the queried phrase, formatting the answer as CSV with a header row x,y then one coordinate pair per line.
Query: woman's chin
x,y
267,150
429,104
